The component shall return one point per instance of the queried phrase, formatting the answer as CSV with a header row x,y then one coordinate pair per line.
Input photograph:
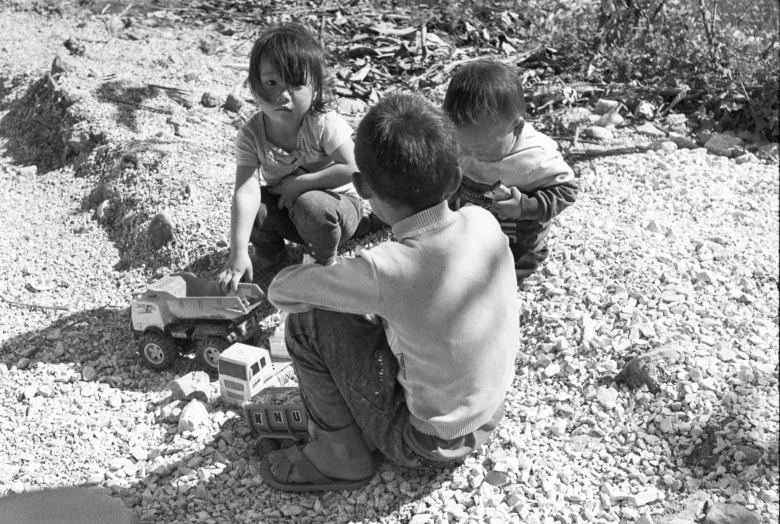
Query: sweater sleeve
x,y
546,203
350,286
553,188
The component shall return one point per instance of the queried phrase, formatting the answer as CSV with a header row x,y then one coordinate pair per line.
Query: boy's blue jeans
x,y
319,220
347,373
528,243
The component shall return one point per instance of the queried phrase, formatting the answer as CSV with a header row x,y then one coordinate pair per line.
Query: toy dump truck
x,y
181,313
278,418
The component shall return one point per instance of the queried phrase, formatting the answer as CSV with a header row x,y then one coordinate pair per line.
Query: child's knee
x,y
530,260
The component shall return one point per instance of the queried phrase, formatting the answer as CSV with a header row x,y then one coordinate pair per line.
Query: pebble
x,y
607,397
552,370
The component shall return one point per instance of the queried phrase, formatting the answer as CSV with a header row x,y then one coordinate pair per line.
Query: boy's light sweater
x,y
536,168
447,293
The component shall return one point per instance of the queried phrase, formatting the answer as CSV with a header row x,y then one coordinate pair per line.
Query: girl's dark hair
x,y
484,90
405,150
294,52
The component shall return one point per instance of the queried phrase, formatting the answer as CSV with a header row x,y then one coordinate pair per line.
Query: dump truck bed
x,y
188,296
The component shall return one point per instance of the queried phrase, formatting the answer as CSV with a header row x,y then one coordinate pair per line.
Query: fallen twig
x,y
174,89
39,306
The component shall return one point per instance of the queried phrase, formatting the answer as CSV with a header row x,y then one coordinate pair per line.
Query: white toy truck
x,y
181,313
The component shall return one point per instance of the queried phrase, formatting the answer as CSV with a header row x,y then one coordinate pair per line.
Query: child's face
x,y
487,142
283,102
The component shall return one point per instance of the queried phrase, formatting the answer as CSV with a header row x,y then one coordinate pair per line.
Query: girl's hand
x,y
289,189
237,265
509,208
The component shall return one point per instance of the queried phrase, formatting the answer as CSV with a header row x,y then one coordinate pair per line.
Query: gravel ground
x,y
672,252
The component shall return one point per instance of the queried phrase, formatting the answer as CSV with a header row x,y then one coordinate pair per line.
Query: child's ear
x,y
361,185
453,184
517,127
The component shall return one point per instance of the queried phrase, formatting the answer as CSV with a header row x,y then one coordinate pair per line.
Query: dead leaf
x,y
389,29
433,39
360,74
359,51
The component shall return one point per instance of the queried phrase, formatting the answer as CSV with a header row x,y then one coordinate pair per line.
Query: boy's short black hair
x,y
296,55
405,150
484,90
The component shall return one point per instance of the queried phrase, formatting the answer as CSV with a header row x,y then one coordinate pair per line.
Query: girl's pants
x,y
319,220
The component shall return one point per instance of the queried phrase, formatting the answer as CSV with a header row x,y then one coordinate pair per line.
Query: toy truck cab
x,y
182,312
243,372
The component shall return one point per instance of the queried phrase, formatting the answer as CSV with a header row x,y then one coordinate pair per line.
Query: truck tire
x,y
158,351
208,351
265,446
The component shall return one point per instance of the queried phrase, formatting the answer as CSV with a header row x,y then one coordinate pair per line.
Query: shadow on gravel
x,y
127,100
7,85
34,127
225,472
724,444
100,339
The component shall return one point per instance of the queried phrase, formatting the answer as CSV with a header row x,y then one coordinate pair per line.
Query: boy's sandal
x,y
316,480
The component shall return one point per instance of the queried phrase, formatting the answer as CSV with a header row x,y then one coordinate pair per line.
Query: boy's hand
x,y
288,190
237,265
509,208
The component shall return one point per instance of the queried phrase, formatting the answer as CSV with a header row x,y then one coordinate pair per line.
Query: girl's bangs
x,y
293,67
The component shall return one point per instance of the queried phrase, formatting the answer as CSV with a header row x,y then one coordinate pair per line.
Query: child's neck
x,y
282,134
390,214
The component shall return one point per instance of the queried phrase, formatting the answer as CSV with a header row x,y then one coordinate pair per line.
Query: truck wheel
x,y
158,351
208,351
265,445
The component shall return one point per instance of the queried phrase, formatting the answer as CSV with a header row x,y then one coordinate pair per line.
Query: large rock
x,y
192,386
683,142
649,369
648,129
233,103
8,472
170,413
725,145
605,106
612,118
664,144
599,133
161,230
721,513
209,100
63,64
193,416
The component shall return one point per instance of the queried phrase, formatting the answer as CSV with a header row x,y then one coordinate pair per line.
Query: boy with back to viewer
x,y
485,101
426,385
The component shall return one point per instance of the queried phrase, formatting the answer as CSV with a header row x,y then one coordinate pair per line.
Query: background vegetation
x,y
722,55
716,61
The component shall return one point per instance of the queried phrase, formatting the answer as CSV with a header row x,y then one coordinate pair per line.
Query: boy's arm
x,y
541,205
335,175
246,203
553,190
350,286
